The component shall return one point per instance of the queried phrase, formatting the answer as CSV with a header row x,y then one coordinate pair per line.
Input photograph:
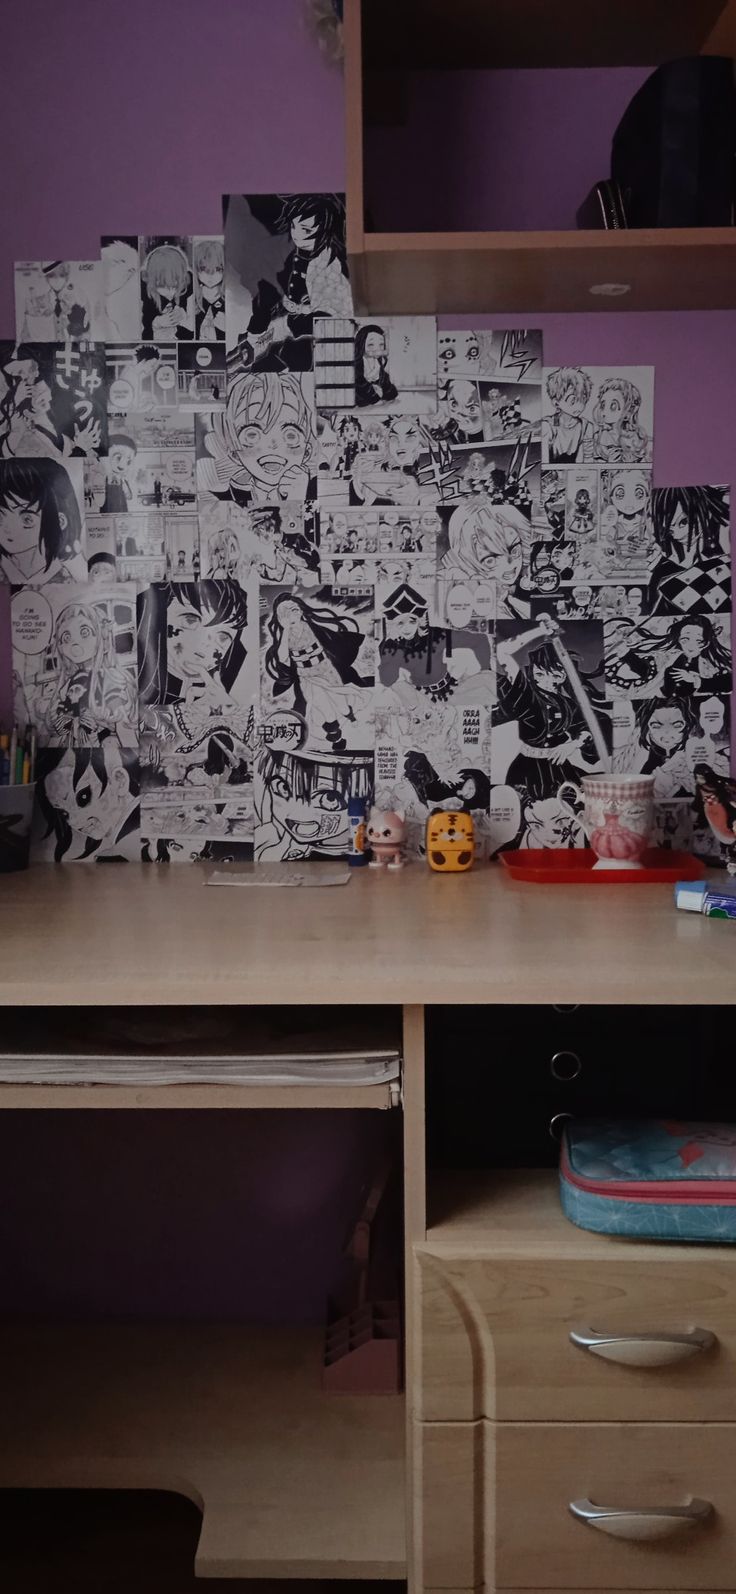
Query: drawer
x,y
495,1335
504,1522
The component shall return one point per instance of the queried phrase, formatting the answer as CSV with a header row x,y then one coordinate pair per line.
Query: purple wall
x,y
138,118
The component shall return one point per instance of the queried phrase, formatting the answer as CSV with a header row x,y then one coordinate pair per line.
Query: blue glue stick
x,y
357,855
716,901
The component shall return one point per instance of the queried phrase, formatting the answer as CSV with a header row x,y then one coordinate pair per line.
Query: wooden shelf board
x,y
518,1213
196,1097
291,1482
479,272
535,33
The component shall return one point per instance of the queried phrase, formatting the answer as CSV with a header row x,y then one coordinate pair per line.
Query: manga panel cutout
x,y
150,464
201,376
74,654
501,356
141,377
277,544
42,515
198,682
208,263
420,663
58,301
436,759
53,400
285,263
369,544
598,415
551,726
262,447
665,657
384,459
121,288
87,804
318,667
167,288
100,540
483,552
379,365
692,531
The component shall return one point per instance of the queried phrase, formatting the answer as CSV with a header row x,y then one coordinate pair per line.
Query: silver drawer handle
x,y
643,1523
644,1350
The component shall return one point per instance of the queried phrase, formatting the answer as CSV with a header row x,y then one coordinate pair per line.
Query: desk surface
x,y
121,933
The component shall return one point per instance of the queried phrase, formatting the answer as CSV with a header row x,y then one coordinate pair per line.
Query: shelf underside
x,y
479,272
292,1483
539,33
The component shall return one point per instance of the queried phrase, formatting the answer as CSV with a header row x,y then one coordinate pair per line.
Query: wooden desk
x,y
140,933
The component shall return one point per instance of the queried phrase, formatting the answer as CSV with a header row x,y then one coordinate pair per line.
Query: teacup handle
x,y
580,794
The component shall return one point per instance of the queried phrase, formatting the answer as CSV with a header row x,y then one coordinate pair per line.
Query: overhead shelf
x,y
291,1482
219,1097
433,34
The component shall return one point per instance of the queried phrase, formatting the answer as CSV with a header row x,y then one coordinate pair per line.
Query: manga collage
x,y
266,555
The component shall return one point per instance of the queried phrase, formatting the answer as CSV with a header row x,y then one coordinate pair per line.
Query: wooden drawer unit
x,y
654,1325
493,1506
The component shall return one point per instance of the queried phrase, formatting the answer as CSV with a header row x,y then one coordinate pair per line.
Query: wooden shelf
x,y
291,1482
198,1097
431,34
472,273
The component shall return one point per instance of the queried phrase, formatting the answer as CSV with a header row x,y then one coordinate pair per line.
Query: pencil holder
x,y
16,813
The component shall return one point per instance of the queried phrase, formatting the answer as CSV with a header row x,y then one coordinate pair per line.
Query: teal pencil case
x,y
651,1180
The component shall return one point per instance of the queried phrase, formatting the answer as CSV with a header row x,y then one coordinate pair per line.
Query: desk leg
x,y
415,1230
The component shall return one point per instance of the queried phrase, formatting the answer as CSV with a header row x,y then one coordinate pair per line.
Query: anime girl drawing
x,y
262,445
617,438
121,289
487,542
373,383
693,575
88,804
313,279
658,745
208,257
313,655
469,793
196,694
661,658
301,804
91,696
167,298
40,524
566,434
558,711
460,402
37,417
392,475
701,663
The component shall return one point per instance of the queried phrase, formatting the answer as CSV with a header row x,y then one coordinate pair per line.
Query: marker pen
x,y
715,900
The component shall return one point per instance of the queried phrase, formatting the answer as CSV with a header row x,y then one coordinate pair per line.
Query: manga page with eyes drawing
x,y
666,657
436,759
150,464
421,663
286,262
598,414
141,377
74,653
669,738
167,288
54,401
181,827
198,683
58,301
121,288
208,262
281,544
513,356
262,448
42,531
87,804
381,364
379,460
318,664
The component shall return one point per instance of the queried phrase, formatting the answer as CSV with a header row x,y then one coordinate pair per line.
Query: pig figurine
x,y
385,833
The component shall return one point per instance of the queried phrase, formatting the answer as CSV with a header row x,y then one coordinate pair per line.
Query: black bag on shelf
x,y
603,208
674,148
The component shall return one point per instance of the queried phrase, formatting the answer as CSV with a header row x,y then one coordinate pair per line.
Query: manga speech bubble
x,y
387,764
121,395
485,601
505,815
203,355
712,714
165,376
179,465
32,622
459,605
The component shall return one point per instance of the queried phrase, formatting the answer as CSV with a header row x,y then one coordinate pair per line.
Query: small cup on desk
x,y
16,813
618,816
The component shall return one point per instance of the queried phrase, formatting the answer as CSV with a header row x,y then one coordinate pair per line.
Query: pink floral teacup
x,y
618,818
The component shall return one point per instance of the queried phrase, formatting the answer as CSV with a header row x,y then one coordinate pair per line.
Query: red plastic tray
x,y
574,866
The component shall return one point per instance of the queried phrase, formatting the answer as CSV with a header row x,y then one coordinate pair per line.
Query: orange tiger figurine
x,y
450,841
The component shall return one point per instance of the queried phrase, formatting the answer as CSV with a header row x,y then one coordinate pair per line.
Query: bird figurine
x,y
716,799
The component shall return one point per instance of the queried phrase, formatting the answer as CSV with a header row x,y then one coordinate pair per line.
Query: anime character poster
x,y
278,544
100,538
201,376
179,828
42,536
382,460
150,464
208,264
438,759
669,738
198,682
422,664
301,800
286,263
167,288
121,288
511,356
483,552
507,472
380,536
318,669
141,377
666,657
691,527
388,363
598,414
87,804
551,727
151,546
262,448
489,412
53,401
58,301
74,653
